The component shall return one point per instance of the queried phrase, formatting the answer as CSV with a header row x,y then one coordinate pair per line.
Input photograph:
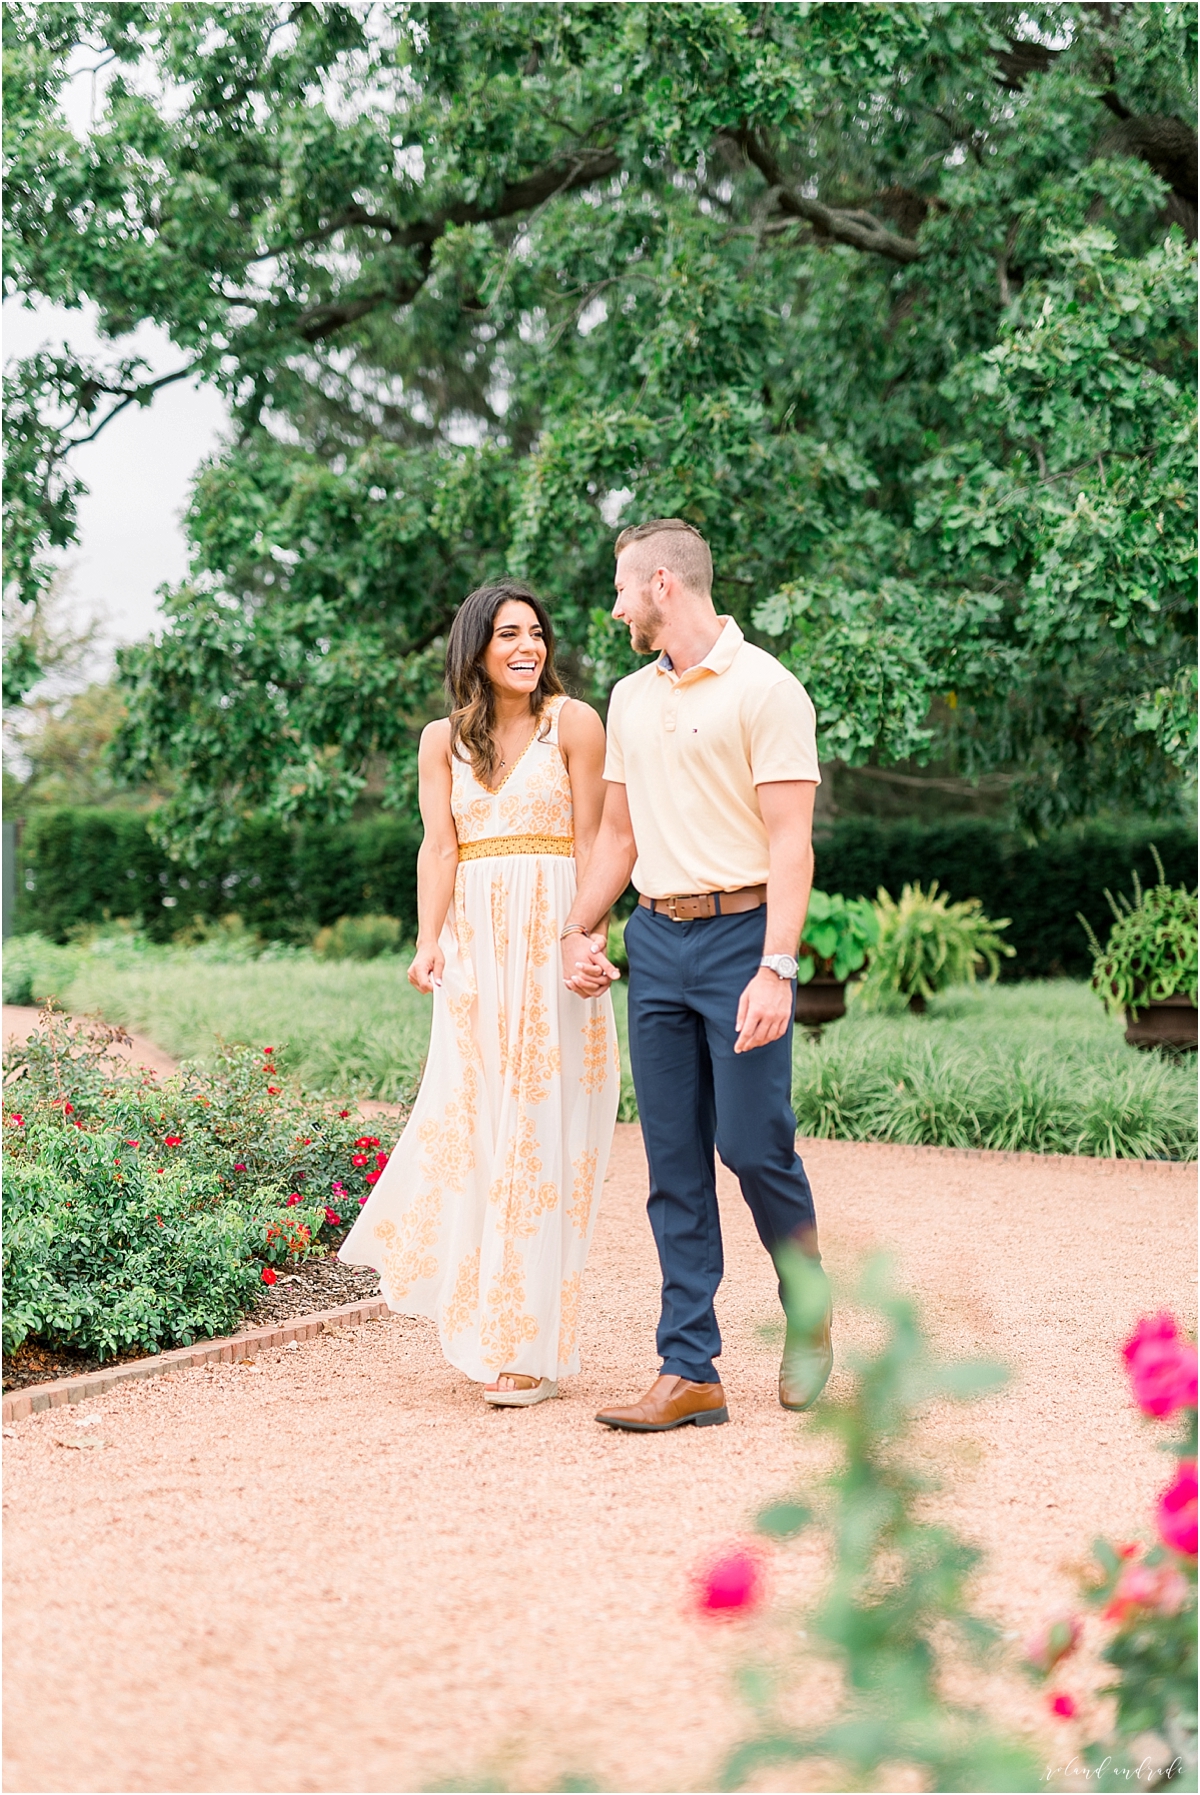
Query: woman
x,y
483,1216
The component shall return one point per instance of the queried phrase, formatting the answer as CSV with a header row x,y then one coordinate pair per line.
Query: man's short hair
x,y
669,542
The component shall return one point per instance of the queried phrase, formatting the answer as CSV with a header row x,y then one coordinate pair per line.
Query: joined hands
x,y
586,968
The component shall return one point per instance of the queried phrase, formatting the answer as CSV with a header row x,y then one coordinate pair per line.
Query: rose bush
x,y
1148,1595
142,1215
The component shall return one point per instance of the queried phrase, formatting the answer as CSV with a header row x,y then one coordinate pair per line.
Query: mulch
x,y
320,1283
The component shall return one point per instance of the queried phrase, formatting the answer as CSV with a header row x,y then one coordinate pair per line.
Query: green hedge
x,y
1040,887
78,866
81,866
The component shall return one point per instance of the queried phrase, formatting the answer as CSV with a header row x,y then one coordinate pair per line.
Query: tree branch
x,y
128,396
562,176
858,229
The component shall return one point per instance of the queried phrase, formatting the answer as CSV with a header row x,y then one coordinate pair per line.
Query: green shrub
x,y
81,866
1040,885
359,938
927,944
142,1216
838,935
1151,952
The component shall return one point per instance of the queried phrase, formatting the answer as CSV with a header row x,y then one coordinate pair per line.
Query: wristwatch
x,y
782,965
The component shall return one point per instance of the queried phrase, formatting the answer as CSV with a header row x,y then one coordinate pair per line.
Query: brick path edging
x,y
32,1400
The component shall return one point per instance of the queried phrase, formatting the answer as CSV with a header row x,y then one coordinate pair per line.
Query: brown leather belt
x,y
707,903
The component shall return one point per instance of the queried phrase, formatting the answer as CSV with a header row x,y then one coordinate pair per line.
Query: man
x,y
712,772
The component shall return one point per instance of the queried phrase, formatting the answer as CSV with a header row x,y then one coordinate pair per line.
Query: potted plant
x,y
926,944
1147,967
838,936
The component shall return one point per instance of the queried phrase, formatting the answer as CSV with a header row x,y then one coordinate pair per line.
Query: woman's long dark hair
x,y
472,699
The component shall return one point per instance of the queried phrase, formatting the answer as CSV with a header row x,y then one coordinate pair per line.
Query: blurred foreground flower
x,y
1053,1642
1162,1367
1156,1589
731,1584
1177,1511
1063,1706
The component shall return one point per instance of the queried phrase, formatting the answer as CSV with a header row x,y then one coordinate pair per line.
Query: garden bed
x,y
318,1284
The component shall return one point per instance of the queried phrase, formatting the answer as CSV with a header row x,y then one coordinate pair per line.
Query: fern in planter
x,y
1150,953
927,944
839,934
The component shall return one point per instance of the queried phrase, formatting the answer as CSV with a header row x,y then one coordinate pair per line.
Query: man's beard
x,y
647,626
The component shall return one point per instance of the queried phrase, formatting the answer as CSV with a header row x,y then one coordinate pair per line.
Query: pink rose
x,y
731,1584
1157,1589
1053,1642
1163,1377
1063,1706
1150,1327
1177,1511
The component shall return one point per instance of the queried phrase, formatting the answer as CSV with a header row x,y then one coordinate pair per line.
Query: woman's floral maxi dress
x,y
484,1214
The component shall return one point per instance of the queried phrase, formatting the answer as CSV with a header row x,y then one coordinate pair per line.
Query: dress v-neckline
x,y
494,791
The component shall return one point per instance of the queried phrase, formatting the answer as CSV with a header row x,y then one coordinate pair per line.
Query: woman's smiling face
x,y
516,654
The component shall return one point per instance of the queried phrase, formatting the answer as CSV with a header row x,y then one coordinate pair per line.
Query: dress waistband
x,y
493,845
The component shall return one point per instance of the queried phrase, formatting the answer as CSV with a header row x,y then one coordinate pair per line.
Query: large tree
x,y
895,302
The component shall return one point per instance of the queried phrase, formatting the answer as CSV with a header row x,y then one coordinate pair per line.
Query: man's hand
x,y
764,1010
586,969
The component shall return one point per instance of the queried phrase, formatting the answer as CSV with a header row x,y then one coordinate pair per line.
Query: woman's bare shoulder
x,y
435,740
578,722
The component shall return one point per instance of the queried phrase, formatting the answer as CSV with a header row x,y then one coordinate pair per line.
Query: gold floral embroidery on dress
x,y
595,1053
516,1193
583,1189
533,1063
506,1328
407,1256
464,1301
499,907
568,1317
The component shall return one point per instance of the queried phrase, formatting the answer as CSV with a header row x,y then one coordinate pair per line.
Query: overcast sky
x,y
139,469
137,472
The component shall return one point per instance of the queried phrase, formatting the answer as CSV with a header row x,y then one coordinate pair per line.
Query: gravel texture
x,y
338,1570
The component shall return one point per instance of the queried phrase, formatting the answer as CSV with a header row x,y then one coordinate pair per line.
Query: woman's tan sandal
x,y
528,1390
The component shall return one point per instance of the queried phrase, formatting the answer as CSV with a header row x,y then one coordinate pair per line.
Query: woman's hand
x,y
427,967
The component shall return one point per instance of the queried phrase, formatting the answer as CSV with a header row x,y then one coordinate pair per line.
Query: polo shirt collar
x,y
719,657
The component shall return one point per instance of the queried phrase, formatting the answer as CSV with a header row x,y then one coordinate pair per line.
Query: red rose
x,y
371,1177
68,1109
343,1113
293,1200
1063,1706
173,1140
268,1275
133,1143
358,1159
272,1090
239,1168
334,1220
268,1050
16,1121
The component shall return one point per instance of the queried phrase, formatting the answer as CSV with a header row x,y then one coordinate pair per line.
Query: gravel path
x,y
339,1571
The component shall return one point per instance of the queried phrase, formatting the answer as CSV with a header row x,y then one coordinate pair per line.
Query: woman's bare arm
x,y
581,739
437,858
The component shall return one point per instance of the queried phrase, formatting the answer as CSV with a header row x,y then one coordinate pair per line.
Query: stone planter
x,y
1164,1022
822,1000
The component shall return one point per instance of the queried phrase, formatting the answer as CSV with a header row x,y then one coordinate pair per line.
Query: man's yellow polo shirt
x,y
690,748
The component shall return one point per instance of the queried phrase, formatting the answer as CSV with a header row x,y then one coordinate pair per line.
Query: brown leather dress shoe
x,y
807,1362
670,1402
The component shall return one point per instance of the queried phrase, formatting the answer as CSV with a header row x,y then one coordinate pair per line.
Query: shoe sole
x,y
802,1408
707,1418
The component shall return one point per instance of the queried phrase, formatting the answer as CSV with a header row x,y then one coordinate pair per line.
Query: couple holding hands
x,y
534,826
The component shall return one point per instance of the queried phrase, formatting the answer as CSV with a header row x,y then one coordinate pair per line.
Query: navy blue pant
x,y
694,1092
